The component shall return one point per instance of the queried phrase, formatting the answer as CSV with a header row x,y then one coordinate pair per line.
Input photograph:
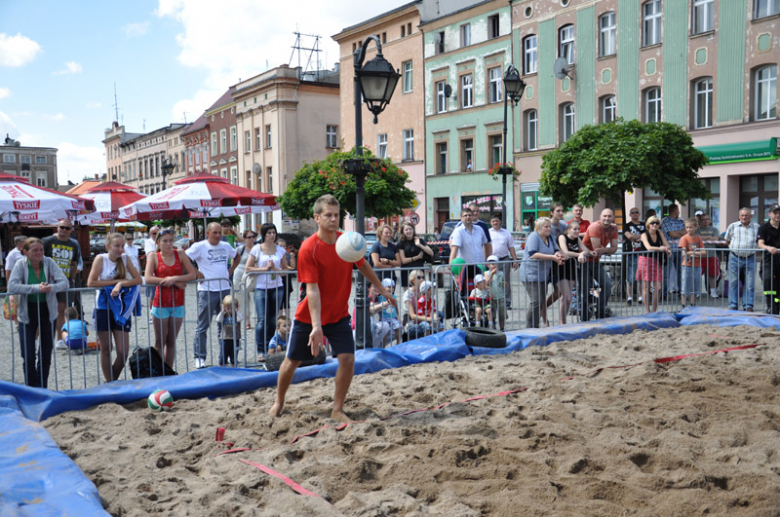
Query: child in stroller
x,y
479,302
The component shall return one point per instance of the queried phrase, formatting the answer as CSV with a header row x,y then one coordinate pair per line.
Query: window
x,y
531,130
234,175
651,24
465,35
703,16
466,91
530,54
441,158
40,179
702,106
566,43
247,141
408,144
441,98
248,179
567,121
233,138
493,27
710,207
269,179
408,81
608,108
224,173
25,174
381,146
496,149
765,104
222,141
9,158
653,105
258,140
268,136
607,34
403,34
41,160
467,155
214,144
409,29
758,192
25,158
494,84
197,158
766,8
331,137
438,40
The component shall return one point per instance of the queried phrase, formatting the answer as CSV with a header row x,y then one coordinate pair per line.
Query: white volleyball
x,y
351,246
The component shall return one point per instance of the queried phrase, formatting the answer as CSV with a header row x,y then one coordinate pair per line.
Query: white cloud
x,y
74,162
7,126
239,46
5,92
17,50
59,117
135,29
94,105
71,67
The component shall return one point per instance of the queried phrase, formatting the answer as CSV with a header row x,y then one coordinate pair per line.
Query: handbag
x,y
10,308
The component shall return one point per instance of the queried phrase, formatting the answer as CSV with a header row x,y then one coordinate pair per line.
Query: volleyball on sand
x,y
160,400
351,246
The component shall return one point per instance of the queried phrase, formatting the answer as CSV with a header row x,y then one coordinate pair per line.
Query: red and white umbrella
x,y
201,195
109,197
22,202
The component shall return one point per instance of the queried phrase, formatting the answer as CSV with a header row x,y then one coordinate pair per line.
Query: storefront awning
x,y
742,151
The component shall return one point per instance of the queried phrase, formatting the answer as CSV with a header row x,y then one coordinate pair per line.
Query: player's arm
x,y
315,305
367,271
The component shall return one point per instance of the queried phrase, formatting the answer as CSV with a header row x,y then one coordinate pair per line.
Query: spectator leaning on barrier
x,y
212,257
539,254
742,238
66,252
769,241
14,255
674,228
710,265
37,279
654,253
602,239
632,232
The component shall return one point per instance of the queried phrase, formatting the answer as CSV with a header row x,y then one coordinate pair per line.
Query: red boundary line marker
x,y
289,482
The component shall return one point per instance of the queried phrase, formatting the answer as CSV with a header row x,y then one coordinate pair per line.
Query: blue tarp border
x,y
37,478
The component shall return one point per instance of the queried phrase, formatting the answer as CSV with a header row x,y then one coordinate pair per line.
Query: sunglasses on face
x,y
654,223
66,227
634,213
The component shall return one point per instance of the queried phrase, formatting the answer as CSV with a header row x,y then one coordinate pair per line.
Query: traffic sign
x,y
415,218
415,203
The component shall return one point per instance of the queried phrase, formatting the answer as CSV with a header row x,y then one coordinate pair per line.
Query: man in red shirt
x,y
602,239
584,223
327,276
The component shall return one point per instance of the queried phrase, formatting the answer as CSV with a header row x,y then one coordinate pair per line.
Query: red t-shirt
x,y
584,224
687,243
318,263
598,231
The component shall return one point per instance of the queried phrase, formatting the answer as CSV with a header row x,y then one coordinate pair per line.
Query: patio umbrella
x,y
22,202
109,197
202,195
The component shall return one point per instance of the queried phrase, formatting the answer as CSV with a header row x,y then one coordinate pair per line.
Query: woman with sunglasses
x,y
168,269
651,258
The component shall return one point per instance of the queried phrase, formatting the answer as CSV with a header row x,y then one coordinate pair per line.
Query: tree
x,y
386,191
607,160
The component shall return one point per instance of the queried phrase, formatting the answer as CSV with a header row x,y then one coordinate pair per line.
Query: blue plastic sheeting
x,y
36,478
726,318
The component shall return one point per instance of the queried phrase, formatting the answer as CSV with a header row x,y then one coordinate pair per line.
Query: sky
x,y
169,60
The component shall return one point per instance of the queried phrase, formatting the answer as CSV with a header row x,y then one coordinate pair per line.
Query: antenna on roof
x,y
314,52
116,104
184,114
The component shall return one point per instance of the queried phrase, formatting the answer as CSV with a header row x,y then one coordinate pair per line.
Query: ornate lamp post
x,y
514,87
374,84
167,170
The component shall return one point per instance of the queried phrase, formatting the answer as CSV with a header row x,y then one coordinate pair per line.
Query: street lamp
x,y
514,86
374,84
167,170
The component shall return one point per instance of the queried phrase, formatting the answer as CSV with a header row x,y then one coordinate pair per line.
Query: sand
x,y
693,437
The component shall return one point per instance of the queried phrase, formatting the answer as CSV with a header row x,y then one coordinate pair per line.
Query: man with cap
x,y
769,241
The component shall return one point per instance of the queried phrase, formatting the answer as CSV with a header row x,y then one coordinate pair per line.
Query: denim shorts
x,y
168,312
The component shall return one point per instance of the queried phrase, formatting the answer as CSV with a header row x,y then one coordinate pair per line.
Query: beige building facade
x,y
400,131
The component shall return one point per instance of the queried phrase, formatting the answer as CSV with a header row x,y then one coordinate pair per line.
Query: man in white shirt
x,y
469,242
503,248
213,258
14,255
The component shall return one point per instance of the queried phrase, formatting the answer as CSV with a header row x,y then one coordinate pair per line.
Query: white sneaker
x,y
629,301
61,345
640,300
714,293
260,357
200,363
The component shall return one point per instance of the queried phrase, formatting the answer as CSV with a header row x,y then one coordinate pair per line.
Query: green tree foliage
x,y
607,160
386,191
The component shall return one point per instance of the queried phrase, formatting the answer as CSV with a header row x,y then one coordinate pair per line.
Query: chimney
x,y
96,176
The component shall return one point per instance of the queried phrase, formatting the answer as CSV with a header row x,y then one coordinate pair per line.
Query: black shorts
x,y
104,321
339,335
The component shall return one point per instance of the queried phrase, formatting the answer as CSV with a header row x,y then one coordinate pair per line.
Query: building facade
x,y
400,131
707,65
196,146
283,118
36,164
143,157
467,51
223,133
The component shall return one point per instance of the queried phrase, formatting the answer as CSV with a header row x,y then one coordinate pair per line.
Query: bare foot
x,y
276,410
340,416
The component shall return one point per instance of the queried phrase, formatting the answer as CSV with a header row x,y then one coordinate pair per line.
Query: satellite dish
x,y
561,68
256,169
447,90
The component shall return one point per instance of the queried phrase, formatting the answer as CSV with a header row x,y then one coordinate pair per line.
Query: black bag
x,y
146,362
450,305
